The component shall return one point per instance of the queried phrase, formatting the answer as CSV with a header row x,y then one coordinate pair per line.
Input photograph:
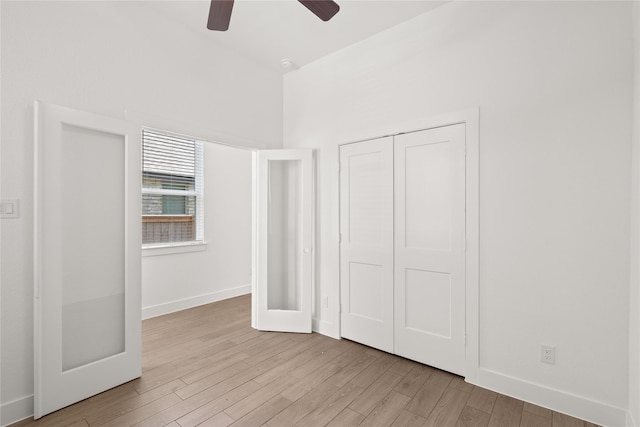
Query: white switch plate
x,y
9,208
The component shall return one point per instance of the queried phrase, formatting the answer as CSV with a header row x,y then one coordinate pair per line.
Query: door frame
x,y
471,118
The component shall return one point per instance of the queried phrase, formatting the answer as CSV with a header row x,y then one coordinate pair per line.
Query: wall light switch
x,y
9,208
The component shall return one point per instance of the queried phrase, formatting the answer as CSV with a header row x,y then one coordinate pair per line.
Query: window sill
x,y
173,248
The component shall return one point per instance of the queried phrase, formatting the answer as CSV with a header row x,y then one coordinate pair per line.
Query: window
x,y
172,189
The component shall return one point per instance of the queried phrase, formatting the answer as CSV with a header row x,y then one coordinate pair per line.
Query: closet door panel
x,y
366,248
429,297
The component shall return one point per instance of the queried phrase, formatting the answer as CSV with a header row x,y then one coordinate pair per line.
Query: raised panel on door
x,y
87,256
429,301
366,246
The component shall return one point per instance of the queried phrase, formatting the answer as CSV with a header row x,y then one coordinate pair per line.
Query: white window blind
x,y
172,189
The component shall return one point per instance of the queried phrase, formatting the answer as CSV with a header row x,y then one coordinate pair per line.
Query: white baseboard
x,y
560,401
16,410
173,306
325,328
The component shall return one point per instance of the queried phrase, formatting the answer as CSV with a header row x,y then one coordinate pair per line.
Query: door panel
x,y
366,247
429,247
435,289
283,238
87,256
86,339
427,202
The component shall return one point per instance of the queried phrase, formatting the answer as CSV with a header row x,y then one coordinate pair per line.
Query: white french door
x,y
366,242
429,283
86,257
402,249
283,240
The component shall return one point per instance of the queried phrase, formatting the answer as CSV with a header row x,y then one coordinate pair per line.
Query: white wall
x,y
634,297
108,57
553,81
223,270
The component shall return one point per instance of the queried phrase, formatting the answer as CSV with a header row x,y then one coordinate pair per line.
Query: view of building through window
x,y
171,188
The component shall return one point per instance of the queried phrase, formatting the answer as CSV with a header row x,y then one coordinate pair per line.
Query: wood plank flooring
x,y
207,367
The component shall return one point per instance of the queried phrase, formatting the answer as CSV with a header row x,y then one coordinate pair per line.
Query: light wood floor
x,y
207,367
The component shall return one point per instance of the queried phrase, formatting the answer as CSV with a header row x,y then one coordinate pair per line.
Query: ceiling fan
x,y
220,12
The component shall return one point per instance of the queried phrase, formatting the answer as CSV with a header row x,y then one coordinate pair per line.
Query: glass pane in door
x,y
284,238
92,245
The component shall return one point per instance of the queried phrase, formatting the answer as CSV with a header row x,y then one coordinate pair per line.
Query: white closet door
x,y
430,247
366,247
283,240
87,256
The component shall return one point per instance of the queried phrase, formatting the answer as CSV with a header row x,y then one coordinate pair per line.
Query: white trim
x,y
183,304
412,125
594,411
254,239
37,250
174,248
199,165
16,410
472,234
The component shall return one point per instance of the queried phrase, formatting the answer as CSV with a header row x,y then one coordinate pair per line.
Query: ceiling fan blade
x,y
220,15
323,9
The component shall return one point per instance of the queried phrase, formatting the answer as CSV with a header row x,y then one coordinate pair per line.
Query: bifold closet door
x,y
366,242
402,245
429,297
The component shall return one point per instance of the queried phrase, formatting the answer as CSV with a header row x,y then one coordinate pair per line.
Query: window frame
x,y
198,243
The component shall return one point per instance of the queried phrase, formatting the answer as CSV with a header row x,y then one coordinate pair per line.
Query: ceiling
x,y
269,31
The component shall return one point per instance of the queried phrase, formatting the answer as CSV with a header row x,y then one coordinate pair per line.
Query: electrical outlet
x,y
325,302
548,354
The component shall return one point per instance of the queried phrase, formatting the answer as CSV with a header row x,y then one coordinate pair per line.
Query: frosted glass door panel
x,y
92,243
284,251
282,240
